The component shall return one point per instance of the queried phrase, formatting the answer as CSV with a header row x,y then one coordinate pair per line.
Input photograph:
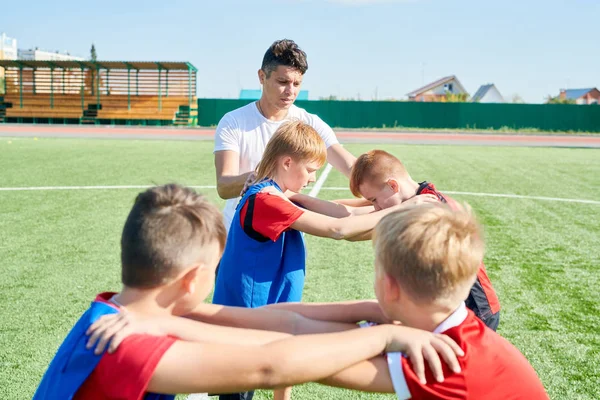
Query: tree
x,y
93,55
558,100
456,97
517,99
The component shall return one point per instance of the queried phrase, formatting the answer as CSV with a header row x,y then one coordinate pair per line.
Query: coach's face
x,y
281,87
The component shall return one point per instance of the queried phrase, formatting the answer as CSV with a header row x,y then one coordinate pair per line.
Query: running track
x,y
345,136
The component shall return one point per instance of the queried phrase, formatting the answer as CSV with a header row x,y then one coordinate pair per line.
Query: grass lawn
x,y
61,247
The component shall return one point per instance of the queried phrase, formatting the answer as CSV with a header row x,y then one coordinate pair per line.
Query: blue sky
x,y
366,48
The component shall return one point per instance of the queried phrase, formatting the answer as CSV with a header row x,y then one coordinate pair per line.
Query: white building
x,y
487,94
41,55
438,90
8,47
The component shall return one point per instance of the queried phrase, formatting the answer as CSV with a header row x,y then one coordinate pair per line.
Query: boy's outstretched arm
x,y
333,208
294,318
112,329
360,202
258,325
351,312
368,376
290,318
349,227
206,367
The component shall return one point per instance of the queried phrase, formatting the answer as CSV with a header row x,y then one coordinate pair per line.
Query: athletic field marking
x,y
507,195
323,177
319,183
34,188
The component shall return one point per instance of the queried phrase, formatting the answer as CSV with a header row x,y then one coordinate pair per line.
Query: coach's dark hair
x,y
284,52
167,229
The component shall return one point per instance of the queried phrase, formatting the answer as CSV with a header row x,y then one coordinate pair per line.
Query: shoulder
x,y
305,116
272,198
234,118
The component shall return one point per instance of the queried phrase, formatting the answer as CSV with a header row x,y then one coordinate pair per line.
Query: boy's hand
x,y
420,345
114,328
420,199
249,181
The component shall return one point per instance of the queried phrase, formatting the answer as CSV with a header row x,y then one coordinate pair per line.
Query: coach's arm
x,y
229,180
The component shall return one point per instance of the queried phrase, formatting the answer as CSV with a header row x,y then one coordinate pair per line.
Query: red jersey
x,y
482,297
275,215
491,369
125,374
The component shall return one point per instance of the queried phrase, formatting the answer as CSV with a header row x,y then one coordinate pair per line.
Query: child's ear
x,y
287,162
393,184
392,288
189,279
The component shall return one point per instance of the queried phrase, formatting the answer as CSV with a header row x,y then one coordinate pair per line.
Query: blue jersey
x,y
255,270
73,363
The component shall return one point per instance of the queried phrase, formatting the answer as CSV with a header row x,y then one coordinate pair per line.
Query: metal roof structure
x,y
107,65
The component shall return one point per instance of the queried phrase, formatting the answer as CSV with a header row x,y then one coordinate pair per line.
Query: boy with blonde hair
x,y
427,259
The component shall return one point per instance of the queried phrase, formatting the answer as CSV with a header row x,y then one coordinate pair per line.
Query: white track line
x,y
508,195
315,190
319,183
18,189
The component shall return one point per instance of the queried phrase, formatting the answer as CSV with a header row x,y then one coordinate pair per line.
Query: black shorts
x,y
236,396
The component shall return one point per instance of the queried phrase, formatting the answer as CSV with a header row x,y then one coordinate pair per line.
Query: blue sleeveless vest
x,y
73,363
256,271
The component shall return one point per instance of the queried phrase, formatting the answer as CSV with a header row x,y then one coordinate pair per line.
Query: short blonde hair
x,y
432,251
375,166
295,139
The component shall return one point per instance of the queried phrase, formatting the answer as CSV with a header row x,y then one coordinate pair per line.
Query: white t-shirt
x,y
246,131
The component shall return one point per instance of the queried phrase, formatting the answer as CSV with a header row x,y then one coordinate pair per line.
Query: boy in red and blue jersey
x,y
382,179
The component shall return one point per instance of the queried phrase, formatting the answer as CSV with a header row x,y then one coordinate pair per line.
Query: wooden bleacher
x,y
99,92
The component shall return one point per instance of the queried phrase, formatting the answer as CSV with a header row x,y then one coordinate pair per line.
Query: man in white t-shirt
x,y
242,134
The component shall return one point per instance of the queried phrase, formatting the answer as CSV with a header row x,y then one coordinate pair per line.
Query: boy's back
x,y
126,373
492,368
76,372
482,299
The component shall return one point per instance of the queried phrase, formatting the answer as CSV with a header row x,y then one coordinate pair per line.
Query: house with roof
x,y
437,91
581,96
487,94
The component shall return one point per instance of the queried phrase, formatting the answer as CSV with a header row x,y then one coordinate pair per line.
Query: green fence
x,y
389,114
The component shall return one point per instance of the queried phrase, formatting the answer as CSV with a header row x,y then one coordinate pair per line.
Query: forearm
x,y
274,317
230,186
360,224
354,202
314,357
347,311
367,376
262,318
361,237
195,331
320,206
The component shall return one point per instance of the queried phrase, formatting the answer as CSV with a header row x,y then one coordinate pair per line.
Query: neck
x,y
152,302
428,317
407,188
279,182
271,112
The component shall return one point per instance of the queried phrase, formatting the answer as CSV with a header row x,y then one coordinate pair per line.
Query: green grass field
x,y
61,247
